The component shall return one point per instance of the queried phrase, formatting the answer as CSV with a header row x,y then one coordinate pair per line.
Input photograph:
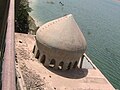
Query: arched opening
x,y
52,63
69,66
37,54
75,64
60,67
33,49
43,59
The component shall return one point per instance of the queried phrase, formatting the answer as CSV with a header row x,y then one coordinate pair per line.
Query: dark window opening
x,y
33,49
37,54
60,67
52,63
75,64
43,59
69,65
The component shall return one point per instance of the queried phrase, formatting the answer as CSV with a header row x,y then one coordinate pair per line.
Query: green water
x,y
99,21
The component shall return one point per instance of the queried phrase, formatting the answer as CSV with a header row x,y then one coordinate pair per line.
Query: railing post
x,y
81,62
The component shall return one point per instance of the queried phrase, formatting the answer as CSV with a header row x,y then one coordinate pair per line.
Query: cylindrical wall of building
x,y
58,55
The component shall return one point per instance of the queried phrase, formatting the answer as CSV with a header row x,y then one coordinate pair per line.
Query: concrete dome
x,y
62,33
60,42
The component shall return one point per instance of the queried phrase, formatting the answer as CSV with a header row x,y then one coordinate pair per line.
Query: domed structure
x,y
60,43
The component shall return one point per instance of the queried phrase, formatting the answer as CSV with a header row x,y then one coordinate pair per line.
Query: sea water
x,y
99,20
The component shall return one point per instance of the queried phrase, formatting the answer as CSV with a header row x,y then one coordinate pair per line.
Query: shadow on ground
x,y
72,74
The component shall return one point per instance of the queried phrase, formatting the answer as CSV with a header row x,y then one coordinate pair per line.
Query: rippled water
x,y
99,20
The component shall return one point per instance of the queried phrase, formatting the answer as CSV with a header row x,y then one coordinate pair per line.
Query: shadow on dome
x,y
72,74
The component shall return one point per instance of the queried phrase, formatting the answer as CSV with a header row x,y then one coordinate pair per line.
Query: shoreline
x,y
38,23
34,24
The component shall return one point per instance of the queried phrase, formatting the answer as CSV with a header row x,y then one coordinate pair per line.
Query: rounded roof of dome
x,y
62,33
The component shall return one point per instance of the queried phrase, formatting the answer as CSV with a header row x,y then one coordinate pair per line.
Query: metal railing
x,y
8,68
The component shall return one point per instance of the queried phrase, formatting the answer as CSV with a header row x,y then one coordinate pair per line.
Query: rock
x,y
20,41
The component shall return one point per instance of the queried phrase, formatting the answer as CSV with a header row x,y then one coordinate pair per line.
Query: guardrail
x,y
88,59
8,71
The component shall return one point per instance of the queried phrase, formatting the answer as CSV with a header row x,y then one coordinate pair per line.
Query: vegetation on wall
x,y
21,17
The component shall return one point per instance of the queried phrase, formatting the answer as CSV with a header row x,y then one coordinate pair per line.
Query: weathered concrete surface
x,y
62,40
62,33
49,79
23,48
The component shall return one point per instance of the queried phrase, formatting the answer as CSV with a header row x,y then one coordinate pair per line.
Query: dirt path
x,y
32,80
